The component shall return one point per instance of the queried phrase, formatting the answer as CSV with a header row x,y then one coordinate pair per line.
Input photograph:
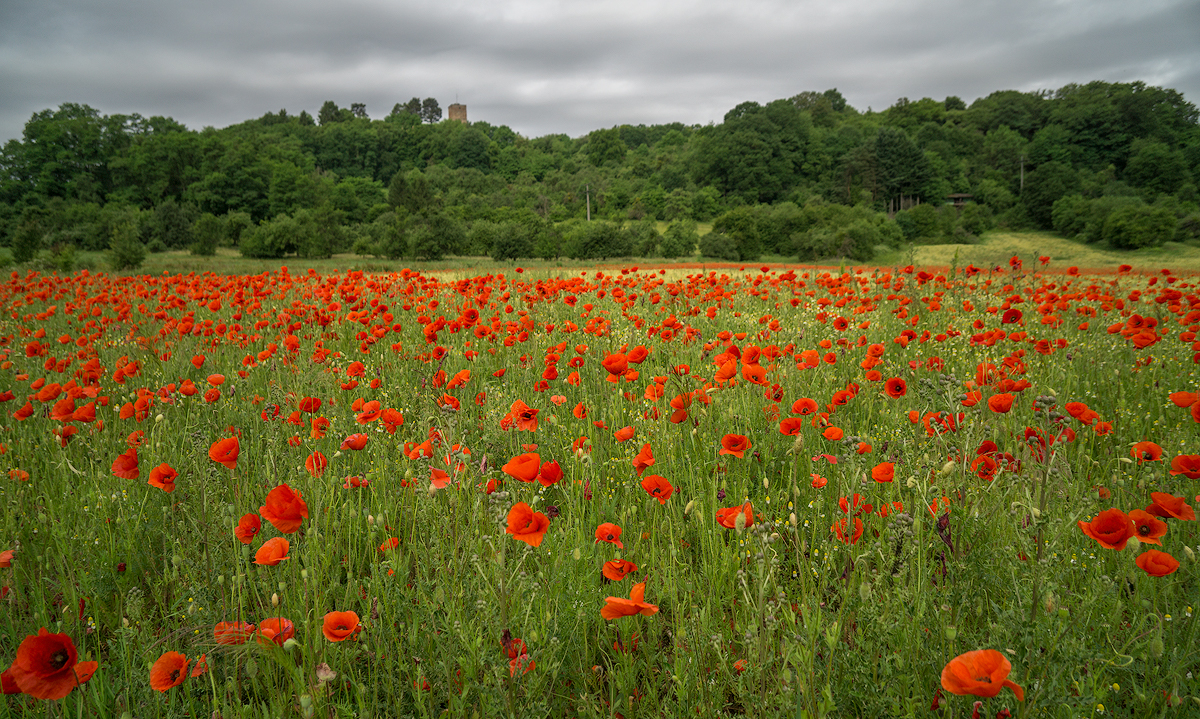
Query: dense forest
x,y
804,177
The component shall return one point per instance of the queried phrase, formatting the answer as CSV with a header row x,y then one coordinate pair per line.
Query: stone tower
x,y
458,112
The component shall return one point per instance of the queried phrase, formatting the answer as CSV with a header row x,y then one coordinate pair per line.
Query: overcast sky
x,y
558,66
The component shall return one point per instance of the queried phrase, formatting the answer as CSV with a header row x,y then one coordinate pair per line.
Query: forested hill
x,y
806,176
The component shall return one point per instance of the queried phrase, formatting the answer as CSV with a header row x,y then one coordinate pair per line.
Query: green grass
x,y
780,618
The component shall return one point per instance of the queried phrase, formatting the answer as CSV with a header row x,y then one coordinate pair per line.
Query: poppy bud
x,y
739,523
158,419
947,468
304,574
274,600
792,519
1188,551
370,519
951,632
220,579
688,509
766,483
576,554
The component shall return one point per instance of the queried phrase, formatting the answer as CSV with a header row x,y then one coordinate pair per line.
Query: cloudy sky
x,y
569,66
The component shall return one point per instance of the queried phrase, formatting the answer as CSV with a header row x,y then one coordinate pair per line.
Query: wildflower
x,y
617,569
47,666
169,671
1147,528
1156,563
1146,452
232,633
340,626
982,673
225,451
883,472
247,527
276,629
1112,528
1186,464
727,517
527,525
523,467
1167,505
658,487
355,442
609,532
272,552
644,459
735,444
284,508
163,477
615,607
895,387
125,466
316,464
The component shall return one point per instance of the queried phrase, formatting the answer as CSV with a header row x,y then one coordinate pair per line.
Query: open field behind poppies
x,y
758,492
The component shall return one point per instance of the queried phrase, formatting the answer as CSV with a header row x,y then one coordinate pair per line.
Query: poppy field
x,y
746,491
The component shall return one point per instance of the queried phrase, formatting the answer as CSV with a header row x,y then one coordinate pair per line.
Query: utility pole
x,y
588,190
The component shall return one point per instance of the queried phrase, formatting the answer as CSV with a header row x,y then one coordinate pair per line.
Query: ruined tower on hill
x,y
458,112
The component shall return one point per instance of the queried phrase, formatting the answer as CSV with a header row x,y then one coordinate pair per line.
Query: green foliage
x,y
271,238
1134,226
741,226
209,233
598,239
1043,187
975,219
680,239
126,251
174,222
719,246
236,223
27,238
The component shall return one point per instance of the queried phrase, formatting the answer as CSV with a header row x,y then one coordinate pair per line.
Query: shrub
x,y
718,246
126,251
1135,226
27,241
680,239
209,231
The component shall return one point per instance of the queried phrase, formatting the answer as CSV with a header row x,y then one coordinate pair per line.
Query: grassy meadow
x,y
357,490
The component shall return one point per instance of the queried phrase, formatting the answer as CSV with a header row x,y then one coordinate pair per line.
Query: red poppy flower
x,y
276,629
1000,403
658,487
1112,528
225,451
1156,563
272,552
232,633
169,671
624,434
617,569
549,474
615,607
125,466
247,528
833,434
883,472
735,444
523,416
804,406
284,508
1146,452
841,529
340,626
316,464
310,404
1168,505
727,517
1146,527
47,666
527,525
1186,464
355,442
615,365
523,467
644,459
609,532
982,673
896,387
163,477
370,412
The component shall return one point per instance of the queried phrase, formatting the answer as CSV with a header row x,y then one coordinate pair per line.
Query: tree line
x,y
807,176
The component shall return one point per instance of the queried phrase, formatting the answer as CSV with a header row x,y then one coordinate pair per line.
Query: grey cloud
x,y
548,67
